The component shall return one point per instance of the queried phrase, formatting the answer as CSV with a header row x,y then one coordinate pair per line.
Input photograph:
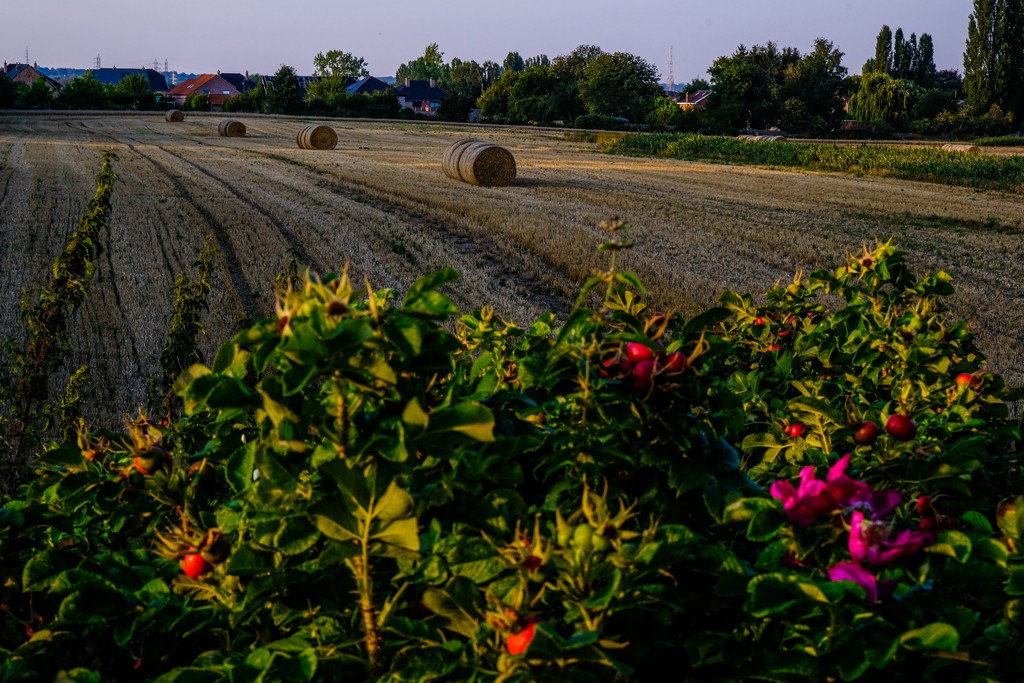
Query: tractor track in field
x,y
289,236
480,246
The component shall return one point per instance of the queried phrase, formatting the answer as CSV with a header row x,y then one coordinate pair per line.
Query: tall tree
x,y
428,66
743,94
490,72
899,56
925,73
538,60
573,65
465,79
339,64
8,92
286,96
513,62
882,62
817,82
883,98
993,55
620,84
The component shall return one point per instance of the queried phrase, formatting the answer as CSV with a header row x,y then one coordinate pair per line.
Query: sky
x,y
202,36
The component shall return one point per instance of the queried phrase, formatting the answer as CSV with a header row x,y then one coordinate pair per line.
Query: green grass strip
x,y
912,163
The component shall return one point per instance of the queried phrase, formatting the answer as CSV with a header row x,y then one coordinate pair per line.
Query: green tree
x,y
513,62
816,80
744,95
465,79
619,84
490,72
285,97
538,60
529,96
84,92
994,56
494,102
925,72
697,84
428,66
8,92
339,64
38,95
882,61
663,112
900,56
197,101
133,92
883,98
573,66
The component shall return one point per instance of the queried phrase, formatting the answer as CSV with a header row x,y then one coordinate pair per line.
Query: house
x,y
366,86
28,74
267,82
423,97
694,100
157,81
216,86
242,82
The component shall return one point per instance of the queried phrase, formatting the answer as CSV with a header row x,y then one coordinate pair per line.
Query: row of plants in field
x,y
1000,141
911,163
358,489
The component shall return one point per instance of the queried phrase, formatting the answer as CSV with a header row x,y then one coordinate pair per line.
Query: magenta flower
x,y
813,498
848,571
874,543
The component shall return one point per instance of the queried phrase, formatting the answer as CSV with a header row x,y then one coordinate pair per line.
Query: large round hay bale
x,y
174,116
231,128
485,164
962,148
315,136
775,138
450,159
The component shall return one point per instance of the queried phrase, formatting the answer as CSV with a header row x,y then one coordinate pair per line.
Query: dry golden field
x,y
380,202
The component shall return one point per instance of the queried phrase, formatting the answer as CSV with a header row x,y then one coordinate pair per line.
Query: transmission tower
x,y
26,54
166,70
96,62
671,72
156,64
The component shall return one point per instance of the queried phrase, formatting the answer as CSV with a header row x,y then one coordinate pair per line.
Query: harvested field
x,y
380,202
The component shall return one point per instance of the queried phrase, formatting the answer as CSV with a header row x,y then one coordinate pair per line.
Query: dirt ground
x,y
380,203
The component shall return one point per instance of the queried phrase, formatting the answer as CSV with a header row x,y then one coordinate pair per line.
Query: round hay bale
x,y
315,136
775,138
962,148
487,165
174,116
231,128
450,159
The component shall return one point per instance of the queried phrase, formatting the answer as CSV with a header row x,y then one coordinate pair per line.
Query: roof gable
x,y
421,90
367,85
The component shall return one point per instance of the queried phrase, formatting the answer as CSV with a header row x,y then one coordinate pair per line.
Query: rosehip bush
x,y
364,487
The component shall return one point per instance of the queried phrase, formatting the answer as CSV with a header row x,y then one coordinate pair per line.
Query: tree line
x,y
758,87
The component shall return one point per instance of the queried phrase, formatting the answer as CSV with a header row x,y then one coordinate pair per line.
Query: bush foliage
x,y
358,490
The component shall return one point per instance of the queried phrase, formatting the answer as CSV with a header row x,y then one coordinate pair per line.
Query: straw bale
x,y
450,159
487,165
962,148
174,116
231,128
315,136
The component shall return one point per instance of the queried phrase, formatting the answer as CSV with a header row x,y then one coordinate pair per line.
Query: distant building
x,y
28,74
156,80
423,97
267,82
218,87
694,100
366,86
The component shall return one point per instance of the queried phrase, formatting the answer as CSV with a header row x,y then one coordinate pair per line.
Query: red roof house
x,y
216,87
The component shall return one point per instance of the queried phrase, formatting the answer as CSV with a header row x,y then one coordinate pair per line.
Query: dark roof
x,y
15,70
367,85
304,81
241,82
421,90
114,76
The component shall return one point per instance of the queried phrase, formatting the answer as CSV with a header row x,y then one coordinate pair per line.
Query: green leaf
x,y
472,419
978,521
93,604
421,296
394,504
401,533
458,619
706,320
475,559
240,467
603,598
936,636
775,593
415,415
955,544
1015,582
248,561
42,570
335,520
295,536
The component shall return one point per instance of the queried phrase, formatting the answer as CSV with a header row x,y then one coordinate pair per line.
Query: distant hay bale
x,y
775,138
479,163
174,116
963,149
231,128
315,136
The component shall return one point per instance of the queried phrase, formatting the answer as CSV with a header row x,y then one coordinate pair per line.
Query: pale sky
x,y
258,35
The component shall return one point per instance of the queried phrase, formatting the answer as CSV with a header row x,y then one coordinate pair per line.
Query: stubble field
x,y
380,203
